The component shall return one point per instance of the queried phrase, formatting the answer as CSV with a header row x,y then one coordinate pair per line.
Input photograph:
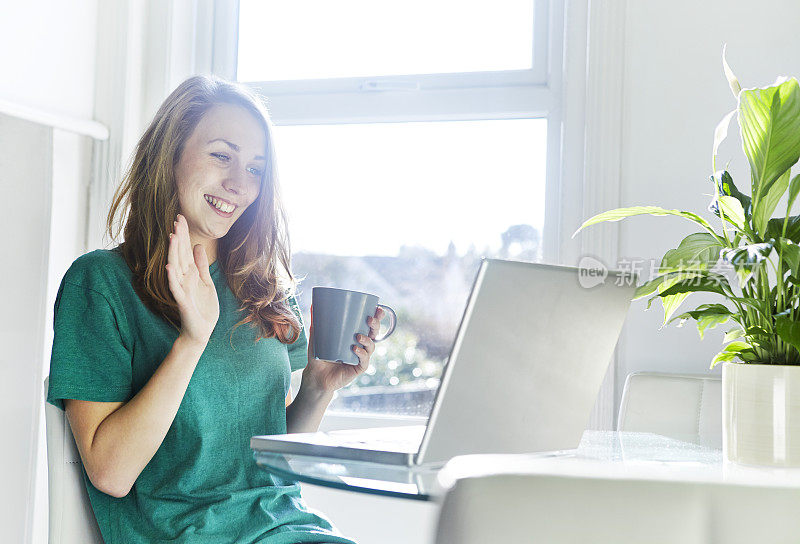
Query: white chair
x,y
72,519
681,406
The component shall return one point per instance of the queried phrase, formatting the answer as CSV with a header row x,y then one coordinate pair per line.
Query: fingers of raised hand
x,y
180,258
363,357
174,280
187,259
375,322
176,255
310,340
366,345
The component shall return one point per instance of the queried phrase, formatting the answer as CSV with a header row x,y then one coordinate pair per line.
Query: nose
x,y
236,182
232,187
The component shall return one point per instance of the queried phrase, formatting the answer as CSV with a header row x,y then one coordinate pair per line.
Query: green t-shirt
x,y
202,484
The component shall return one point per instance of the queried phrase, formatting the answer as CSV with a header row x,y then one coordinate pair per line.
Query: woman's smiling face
x,y
219,172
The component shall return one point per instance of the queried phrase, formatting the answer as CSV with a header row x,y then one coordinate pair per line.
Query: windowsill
x,y
334,421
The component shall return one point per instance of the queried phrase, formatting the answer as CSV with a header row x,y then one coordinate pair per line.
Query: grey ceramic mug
x,y
337,316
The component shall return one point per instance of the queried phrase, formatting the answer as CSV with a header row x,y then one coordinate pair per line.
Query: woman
x,y
165,364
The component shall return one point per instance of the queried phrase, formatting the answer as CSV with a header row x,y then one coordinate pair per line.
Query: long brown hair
x,y
254,255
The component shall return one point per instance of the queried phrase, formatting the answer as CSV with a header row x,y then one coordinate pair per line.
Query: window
x,y
411,142
352,38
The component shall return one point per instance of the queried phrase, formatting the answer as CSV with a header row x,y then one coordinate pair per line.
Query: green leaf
x,y
710,282
621,213
707,316
746,258
759,305
758,332
790,254
699,251
674,290
732,211
788,330
749,253
762,212
653,285
670,303
648,288
731,352
775,228
769,120
749,355
726,187
733,334
794,189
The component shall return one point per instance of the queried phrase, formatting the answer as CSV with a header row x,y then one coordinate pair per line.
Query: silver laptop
x,y
530,354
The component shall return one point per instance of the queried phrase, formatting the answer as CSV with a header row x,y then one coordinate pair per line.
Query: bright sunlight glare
x,y
312,39
368,189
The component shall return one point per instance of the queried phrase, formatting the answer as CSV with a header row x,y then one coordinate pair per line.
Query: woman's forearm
x,y
127,439
305,412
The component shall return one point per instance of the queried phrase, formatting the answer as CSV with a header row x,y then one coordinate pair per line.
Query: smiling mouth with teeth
x,y
219,204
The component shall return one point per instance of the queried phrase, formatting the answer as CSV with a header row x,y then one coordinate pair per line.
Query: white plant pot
x,y
761,414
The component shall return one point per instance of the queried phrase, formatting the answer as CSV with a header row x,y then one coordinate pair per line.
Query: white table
x,y
620,488
626,455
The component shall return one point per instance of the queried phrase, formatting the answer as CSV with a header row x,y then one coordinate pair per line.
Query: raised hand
x,y
191,284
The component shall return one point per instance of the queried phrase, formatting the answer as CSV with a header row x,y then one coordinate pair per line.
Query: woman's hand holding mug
x,y
340,350
191,284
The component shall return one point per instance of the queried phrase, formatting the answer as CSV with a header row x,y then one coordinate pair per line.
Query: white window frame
x,y
512,94
398,94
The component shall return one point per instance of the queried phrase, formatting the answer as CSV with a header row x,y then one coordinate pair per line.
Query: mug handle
x,y
391,327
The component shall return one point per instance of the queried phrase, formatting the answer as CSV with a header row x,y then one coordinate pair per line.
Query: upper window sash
x,y
471,95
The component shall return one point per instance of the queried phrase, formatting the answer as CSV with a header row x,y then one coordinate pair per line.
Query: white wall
x,y
674,95
22,315
48,64
48,55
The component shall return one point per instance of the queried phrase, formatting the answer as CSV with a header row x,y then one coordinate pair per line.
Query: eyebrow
x,y
235,147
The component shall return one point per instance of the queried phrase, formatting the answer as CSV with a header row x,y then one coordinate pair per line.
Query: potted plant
x,y
752,261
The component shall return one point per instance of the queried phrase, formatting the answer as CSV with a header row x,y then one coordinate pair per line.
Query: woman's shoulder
x,y
99,270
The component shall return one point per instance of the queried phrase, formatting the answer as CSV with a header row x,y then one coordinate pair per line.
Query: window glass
x,y
316,39
406,211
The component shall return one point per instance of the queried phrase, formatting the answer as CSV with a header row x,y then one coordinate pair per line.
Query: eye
x,y
256,171
221,156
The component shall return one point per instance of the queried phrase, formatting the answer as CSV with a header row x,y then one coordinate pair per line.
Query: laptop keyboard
x,y
405,438
378,444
